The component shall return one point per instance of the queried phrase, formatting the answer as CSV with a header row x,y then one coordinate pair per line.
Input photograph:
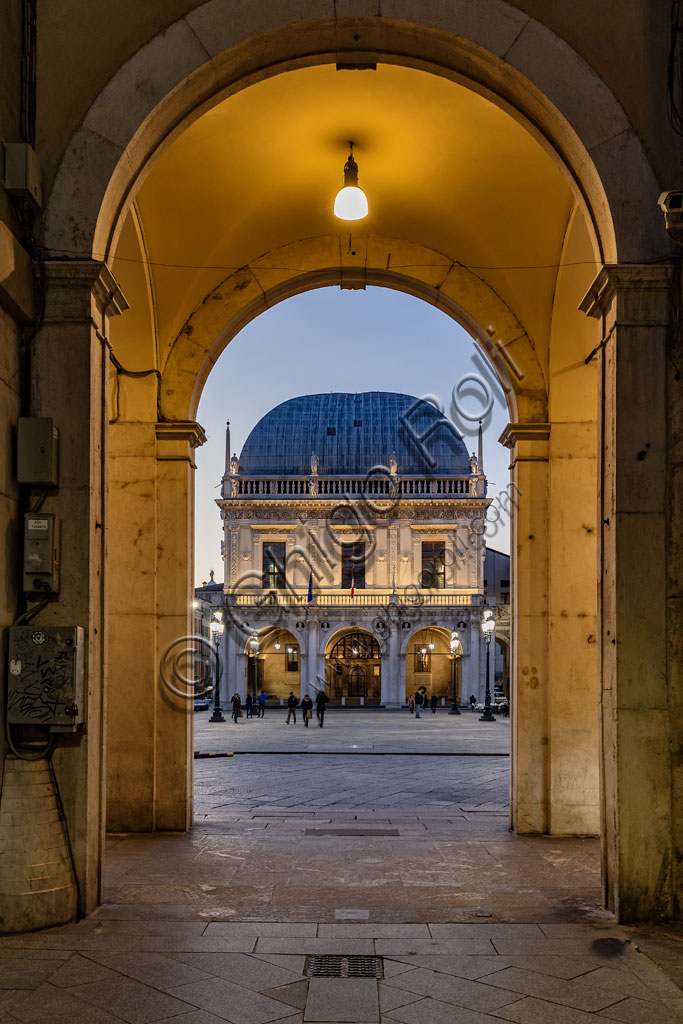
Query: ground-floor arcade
x,y
369,657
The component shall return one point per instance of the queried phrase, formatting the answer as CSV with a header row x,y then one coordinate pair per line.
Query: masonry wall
x,y
11,285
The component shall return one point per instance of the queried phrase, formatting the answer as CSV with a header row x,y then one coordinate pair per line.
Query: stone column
x,y
69,367
640,751
230,671
309,680
391,672
528,443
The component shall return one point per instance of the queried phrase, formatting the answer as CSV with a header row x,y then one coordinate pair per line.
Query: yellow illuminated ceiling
x,y
440,165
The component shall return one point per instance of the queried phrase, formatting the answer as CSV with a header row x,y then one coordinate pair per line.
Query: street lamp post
x,y
456,655
488,625
217,626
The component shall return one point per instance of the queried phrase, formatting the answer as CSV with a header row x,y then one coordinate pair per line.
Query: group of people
x,y
420,700
321,700
248,711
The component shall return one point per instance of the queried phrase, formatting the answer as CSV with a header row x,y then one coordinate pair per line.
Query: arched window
x,y
356,646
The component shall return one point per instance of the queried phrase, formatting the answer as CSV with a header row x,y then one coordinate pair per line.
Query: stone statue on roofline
x,y
314,464
474,465
393,464
234,464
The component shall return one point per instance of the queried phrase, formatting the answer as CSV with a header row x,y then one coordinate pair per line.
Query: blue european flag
x,y
310,588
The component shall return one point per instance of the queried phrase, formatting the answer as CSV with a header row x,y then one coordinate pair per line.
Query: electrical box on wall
x,y
37,448
45,677
41,553
22,175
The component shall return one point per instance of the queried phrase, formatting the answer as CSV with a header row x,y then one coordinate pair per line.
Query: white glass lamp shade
x,y
351,203
217,627
488,624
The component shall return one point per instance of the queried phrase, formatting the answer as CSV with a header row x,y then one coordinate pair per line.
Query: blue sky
x,y
333,340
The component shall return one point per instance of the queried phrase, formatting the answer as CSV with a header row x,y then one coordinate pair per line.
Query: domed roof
x,y
352,433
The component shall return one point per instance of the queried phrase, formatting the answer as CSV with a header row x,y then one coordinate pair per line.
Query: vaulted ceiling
x,y
441,165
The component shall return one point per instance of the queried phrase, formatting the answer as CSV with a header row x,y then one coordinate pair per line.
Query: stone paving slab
x,y
342,999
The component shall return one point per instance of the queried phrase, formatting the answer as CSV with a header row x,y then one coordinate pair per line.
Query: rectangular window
x,y
273,565
423,659
292,661
353,566
433,575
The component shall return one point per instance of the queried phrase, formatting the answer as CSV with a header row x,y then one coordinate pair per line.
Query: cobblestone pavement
x,y
406,858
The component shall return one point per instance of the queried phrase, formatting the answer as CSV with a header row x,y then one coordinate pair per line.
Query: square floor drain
x,y
344,967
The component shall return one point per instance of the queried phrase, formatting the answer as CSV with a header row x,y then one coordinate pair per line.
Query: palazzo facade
x,y
354,552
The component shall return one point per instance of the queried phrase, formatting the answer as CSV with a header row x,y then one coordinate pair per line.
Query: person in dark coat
x,y
236,707
292,704
418,702
249,706
321,699
432,703
306,709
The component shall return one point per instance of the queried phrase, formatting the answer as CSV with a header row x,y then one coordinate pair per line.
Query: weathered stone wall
x,y
10,342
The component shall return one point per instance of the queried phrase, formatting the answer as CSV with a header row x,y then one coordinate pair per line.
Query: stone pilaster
x,y
528,443
69,368
637,705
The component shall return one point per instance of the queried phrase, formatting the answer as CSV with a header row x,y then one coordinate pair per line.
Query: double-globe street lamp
x,y
217,626
456,656
488,624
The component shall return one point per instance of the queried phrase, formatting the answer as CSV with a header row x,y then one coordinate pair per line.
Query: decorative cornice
x,y
89,279
270,528
181,430
515,432
616,277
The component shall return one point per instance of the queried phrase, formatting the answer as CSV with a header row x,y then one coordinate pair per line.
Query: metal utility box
x,y
45,677
22,174
37,444
41,553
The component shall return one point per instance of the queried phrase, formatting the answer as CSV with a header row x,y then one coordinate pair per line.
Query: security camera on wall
x,y
671,203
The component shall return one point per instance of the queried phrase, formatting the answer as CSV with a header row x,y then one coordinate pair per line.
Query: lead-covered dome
x,y
352,433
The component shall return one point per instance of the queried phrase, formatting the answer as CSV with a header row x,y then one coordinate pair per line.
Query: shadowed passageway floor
x,y
403,857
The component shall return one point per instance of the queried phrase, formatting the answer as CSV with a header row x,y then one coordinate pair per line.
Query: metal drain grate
x,y
344,967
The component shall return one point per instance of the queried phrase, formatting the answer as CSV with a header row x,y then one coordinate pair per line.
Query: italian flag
x,y
353,588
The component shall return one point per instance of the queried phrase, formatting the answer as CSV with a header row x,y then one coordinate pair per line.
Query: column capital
x,y
616,278
181,430
177,440
73,285
515,432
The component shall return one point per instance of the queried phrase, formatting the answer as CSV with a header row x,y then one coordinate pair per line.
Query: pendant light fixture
x,y
350,203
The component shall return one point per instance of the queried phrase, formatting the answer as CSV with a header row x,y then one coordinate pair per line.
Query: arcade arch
x,y
353,667
582,133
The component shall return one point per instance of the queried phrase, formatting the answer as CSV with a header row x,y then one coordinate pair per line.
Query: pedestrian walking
x,y
321,700
432,703
292,704
261,701
411,704
473,701
307,709
249,706
418,703
236,707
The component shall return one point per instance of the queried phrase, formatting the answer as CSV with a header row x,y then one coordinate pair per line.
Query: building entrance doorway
x,y
354,669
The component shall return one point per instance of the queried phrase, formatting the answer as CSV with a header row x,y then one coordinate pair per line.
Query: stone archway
x,y
574,115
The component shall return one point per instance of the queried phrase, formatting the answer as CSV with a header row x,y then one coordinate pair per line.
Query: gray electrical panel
x,y
45,678
37,442
41,553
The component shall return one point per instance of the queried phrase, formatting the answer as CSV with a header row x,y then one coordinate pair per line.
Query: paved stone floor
x,y
406,857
